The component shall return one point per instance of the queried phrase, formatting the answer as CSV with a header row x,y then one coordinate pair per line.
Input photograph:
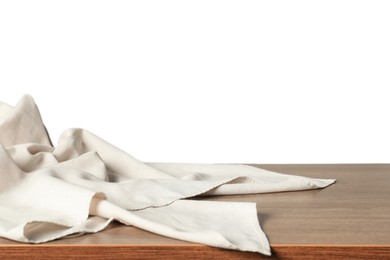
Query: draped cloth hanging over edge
x,y
84,183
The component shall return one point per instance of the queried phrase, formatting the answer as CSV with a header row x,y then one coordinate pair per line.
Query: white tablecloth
x,y
84,183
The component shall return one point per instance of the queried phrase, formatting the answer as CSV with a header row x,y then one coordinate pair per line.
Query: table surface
x,y
349,219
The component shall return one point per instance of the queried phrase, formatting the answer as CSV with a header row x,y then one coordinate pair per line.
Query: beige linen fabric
x,y
84,183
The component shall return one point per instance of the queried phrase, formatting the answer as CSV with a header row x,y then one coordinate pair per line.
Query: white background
x,y
207,81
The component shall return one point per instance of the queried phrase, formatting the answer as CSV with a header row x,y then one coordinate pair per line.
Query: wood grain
x,y
180,252
348,220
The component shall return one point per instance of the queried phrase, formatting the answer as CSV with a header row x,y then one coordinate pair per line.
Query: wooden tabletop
x,y
350,219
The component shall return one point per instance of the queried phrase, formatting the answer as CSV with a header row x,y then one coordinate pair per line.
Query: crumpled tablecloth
x,y
84,183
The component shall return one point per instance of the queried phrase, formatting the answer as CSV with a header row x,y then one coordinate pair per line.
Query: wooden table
x,y
350,219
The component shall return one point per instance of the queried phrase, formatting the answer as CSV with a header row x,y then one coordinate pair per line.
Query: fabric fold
x,y
84,183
